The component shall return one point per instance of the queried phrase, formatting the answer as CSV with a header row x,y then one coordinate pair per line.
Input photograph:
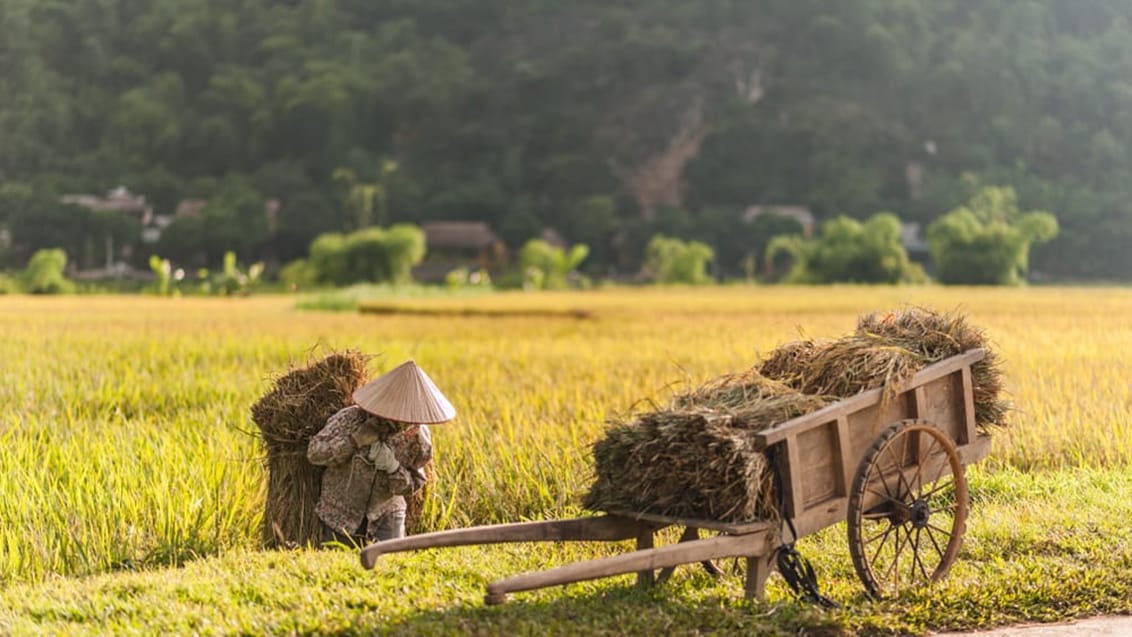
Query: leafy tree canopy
x,y
987,241
849,251
607,122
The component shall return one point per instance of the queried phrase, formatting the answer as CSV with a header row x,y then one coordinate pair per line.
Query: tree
x,y
38,221
404,246
44,273
548,267
848,251
235,281
701,107
235,220
328,259
987,241
368,202
373,255
669,260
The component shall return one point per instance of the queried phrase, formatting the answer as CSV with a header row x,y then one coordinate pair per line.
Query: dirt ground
x,y
1117,626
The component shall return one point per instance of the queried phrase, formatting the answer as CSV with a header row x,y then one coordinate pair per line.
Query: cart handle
x,y
593,528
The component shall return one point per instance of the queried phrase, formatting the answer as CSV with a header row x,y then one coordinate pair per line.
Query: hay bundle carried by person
x,y
295,409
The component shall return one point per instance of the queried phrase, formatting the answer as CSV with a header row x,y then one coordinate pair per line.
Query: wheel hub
x,y
920,513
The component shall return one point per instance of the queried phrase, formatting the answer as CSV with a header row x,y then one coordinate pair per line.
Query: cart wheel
x,y
907,508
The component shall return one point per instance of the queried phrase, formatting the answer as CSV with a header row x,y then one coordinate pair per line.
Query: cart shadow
x,y
682,608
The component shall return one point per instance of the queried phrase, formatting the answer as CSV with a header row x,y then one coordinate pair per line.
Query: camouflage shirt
x,y
352,488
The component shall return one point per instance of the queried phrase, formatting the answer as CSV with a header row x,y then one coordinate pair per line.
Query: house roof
x,y
118,199
801,213
190,207
458,234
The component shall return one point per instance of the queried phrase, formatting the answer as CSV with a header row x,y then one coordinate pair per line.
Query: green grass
x,y
1027,557
133,486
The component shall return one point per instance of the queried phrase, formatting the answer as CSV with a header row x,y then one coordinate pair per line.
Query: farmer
x,y
374,453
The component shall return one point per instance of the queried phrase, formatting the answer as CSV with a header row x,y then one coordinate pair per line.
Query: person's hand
x,y
383,458
365,435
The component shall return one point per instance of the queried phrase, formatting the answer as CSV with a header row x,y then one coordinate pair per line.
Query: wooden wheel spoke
x,y
887,497
901,480
947,534
883,534
880,547
944,483
888,492
949,508
931,536
921,461
893,569
923,571
916,477
897,463
914,544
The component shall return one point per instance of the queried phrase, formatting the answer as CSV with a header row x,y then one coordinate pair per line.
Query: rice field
x,y
126,440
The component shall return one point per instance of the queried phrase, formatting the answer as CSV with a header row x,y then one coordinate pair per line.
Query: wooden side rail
x,y
865,399
828,512
713,548
601,528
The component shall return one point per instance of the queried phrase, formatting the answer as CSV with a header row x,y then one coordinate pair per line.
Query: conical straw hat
x,y
405,394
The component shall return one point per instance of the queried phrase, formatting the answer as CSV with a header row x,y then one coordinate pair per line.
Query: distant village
x,y
449,244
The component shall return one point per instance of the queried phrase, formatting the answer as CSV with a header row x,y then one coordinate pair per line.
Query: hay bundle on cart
x,y
696,458
295,409
888,349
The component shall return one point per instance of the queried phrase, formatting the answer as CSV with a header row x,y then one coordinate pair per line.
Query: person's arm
x,y
342,436
409,476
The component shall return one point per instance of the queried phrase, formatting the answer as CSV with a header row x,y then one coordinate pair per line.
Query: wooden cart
x,y
891,463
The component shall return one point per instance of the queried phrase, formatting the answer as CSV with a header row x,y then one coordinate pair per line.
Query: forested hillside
x,y
608,121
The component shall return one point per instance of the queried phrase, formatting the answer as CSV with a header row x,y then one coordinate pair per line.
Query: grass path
x,y
1027,558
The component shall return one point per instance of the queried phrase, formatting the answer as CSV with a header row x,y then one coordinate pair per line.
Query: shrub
x,y
328,258
987,240
404,247
669,260
234,281
848,251
8,285
44,273
372,255
298,275
548,267
167,278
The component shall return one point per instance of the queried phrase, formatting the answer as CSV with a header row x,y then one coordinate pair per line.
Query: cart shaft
x,y
602,528
721,546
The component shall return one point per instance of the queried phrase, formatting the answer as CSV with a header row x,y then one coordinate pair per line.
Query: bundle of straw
x,y
696,458
847,366
937,336
786,360
295,409
689,464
